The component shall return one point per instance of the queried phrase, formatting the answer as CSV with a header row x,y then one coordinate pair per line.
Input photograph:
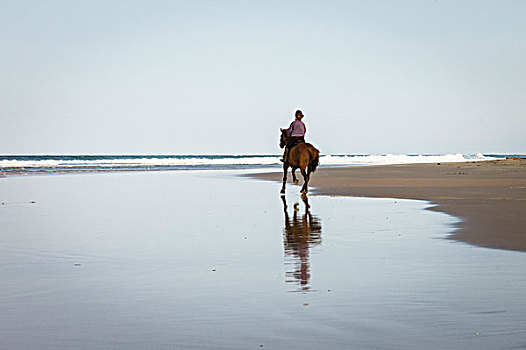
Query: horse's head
x,y
284,138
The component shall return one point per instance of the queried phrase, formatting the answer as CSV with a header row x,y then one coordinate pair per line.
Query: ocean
x,y
38,164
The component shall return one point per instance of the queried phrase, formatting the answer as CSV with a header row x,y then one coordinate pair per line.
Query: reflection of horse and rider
x,y
300,234
298,154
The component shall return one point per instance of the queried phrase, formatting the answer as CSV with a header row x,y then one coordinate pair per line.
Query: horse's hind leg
x,y
294,176
285,169
305,187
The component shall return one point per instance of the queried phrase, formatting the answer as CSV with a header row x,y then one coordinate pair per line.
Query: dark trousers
x,y
294,140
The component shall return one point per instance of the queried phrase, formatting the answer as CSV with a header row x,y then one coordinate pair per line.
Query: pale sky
x,y
221,77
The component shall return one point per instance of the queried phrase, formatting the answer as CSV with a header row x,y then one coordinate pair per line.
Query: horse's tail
x,y
315,158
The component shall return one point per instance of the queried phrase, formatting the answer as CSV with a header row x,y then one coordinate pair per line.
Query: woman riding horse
x,y
303,156
297,132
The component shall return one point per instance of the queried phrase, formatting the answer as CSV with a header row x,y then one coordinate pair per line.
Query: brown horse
x,y
303,156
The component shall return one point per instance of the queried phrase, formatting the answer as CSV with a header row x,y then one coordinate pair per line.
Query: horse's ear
x,y
280,129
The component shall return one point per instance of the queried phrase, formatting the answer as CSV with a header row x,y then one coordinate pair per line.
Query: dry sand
x,y
489,196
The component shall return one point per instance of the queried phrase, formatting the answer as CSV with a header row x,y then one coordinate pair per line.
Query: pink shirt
x,y
297,128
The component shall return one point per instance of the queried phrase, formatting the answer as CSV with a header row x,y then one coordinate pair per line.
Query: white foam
x,y
398,159
138,162
237,160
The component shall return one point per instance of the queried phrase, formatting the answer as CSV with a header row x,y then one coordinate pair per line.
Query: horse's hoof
x,y
296,182
282,191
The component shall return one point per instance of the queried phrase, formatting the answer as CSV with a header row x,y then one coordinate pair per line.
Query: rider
x,y
297,134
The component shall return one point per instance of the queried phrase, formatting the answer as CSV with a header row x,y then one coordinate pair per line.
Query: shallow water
x,y
209,260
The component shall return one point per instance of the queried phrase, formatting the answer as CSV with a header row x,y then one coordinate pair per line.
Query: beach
x,y
141,162
212,259
488,196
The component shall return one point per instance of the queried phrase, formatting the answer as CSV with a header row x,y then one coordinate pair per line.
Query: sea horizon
x,y
31,164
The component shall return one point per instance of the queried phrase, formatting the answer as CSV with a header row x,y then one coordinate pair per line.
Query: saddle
x,y
294,143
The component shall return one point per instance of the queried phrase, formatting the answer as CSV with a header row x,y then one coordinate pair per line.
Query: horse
x,y
303,156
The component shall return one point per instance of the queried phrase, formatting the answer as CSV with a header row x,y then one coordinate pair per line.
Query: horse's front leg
x,y
305,187
294,176
306,202
285,169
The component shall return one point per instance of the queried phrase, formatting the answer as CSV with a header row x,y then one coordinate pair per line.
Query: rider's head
x,y
299,115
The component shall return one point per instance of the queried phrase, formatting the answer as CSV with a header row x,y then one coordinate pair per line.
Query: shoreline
x,y
488,196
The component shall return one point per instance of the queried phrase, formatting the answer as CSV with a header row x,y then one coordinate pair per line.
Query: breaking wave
x,y
31,164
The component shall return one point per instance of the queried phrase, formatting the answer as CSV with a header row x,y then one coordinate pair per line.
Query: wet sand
x,y
213,260
489,196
